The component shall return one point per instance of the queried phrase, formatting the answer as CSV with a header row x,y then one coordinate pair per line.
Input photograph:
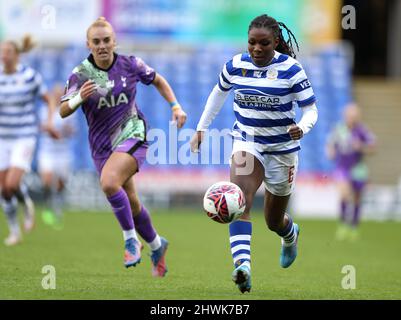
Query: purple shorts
x,y
134,147
345,176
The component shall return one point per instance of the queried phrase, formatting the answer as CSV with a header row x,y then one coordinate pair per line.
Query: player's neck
x,y
104,64
9,69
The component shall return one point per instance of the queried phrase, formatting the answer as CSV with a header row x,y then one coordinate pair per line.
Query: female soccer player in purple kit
x,y
348,143
105,85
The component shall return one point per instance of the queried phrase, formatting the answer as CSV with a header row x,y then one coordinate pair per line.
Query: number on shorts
x,y
291,174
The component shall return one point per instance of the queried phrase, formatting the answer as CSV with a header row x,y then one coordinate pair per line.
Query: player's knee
x,y
9,190
109,185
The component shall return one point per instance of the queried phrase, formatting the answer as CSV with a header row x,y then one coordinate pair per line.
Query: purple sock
x,y
343,212
357,212
143,225
122,209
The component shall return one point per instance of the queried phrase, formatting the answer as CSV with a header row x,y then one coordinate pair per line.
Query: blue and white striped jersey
x,y
265,100
18,92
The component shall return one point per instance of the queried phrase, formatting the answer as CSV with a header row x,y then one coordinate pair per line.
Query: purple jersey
x,y
344,140
111,112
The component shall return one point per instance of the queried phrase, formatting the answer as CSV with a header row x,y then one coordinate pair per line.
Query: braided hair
x,y
265,21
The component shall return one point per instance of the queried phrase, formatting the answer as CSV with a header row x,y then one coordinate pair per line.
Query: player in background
x,y
105,85
347,146
55,160
268,83
20,85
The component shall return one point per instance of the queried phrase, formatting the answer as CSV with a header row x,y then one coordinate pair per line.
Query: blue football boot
x,y
132,254
242,278
289,252
159,268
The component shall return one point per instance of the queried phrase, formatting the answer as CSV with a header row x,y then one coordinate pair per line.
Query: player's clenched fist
x,y
295,132
87,89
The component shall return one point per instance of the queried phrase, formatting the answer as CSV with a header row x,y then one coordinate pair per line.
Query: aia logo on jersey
x,y
112,101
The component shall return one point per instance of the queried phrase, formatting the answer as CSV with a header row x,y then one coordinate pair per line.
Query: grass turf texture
x,y
88,257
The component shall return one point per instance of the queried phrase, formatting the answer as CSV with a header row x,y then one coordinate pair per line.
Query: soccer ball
x,y
224,202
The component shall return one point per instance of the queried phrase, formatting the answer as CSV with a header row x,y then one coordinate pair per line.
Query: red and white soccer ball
x,y
224,202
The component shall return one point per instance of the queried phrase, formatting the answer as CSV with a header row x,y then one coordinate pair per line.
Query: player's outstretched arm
x,y
164,88
213,106
68,107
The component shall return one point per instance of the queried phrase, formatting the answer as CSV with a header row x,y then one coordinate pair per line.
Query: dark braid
x,y
265,21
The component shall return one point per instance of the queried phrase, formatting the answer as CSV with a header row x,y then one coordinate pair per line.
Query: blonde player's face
x,y
101,42
9,56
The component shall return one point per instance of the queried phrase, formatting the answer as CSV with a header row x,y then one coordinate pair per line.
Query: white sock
x,y
128,234
155,244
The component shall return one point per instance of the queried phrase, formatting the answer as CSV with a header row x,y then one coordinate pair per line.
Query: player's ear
x,y
87,44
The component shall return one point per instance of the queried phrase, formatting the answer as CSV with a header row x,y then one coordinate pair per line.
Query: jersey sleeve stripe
x,y
300,86
289,73
223,88
224,84
306,102
225,79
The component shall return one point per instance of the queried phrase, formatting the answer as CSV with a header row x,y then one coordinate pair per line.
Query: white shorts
x,y
59,165
17,153
280,170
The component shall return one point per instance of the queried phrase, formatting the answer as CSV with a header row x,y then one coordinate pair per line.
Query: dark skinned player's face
x,y
261,45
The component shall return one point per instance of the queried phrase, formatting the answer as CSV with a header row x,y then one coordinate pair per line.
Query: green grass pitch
x,y
88,257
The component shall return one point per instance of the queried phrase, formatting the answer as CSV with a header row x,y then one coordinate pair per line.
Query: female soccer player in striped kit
x,y
19,87
268,82
105,85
